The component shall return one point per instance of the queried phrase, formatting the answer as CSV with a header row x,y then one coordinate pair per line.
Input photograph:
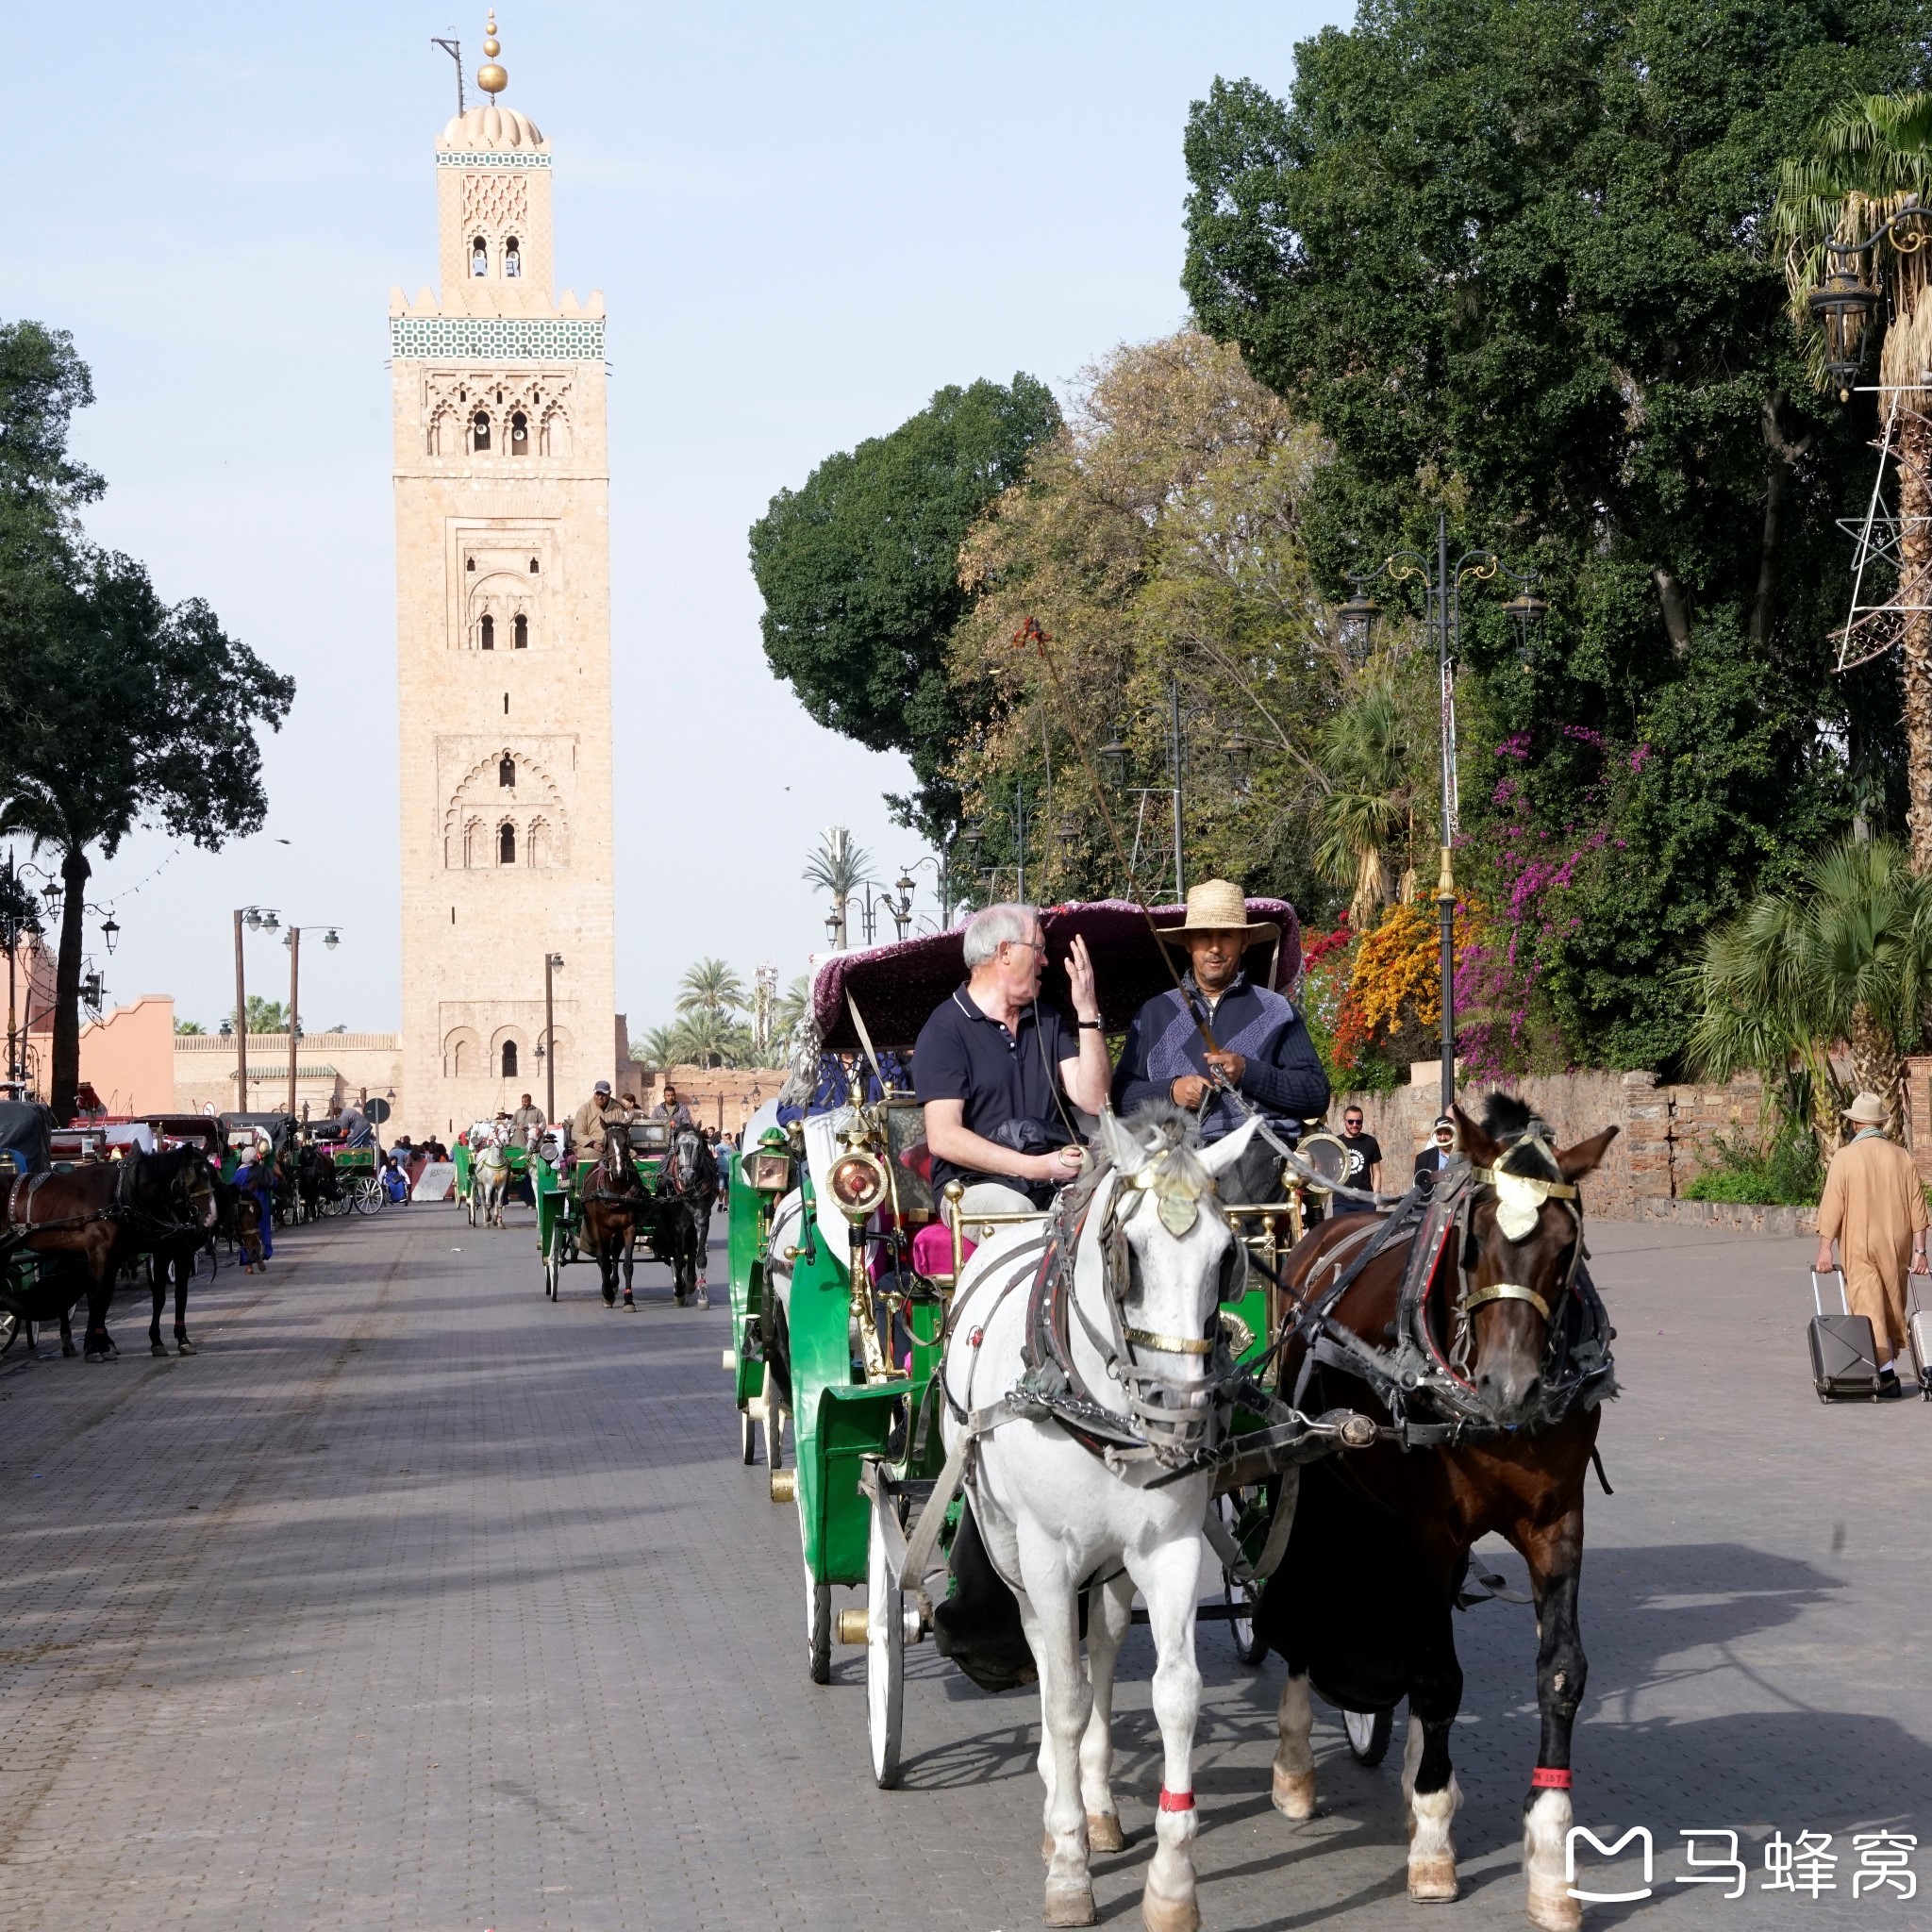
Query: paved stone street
x,y
417,1602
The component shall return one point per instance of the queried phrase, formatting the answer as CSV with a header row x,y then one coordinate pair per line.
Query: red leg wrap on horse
x,y
1176,1801
1545,1779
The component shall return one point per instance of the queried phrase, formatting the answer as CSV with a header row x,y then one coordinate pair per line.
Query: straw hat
x,y
1217,906
1868,1110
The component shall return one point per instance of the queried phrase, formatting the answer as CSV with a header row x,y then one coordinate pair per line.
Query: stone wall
x,y
1669,1134
721,1097
329,1069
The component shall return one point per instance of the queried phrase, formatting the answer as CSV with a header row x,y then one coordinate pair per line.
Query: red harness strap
x,y
1545,1778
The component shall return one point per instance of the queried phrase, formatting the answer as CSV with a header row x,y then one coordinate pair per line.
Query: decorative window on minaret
x,y
510,1060
519,632
479,256
480,430
507,844
507,772
486,633
519,433
512,261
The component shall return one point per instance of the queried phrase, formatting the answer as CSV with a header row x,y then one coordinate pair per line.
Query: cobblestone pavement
x,y
417,1602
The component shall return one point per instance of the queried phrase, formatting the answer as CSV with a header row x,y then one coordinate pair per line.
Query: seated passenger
x,y
848,1080
1266,1054
995,1070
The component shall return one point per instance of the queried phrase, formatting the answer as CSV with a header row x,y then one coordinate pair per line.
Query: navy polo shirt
x,y
1002,1076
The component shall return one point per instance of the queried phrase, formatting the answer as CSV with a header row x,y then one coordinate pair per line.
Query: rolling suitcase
x,y
1919,1327
1845,1354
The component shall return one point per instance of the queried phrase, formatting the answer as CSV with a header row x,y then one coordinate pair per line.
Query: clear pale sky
x,y
804,219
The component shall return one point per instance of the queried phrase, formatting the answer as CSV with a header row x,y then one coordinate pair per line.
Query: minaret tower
x,y
503,644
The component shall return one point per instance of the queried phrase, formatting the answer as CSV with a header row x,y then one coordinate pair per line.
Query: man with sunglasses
x,y
999,1072
1364,1152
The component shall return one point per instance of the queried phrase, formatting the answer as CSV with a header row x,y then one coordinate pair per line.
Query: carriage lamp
x,y
1356,621
111,930
858,1183
1114,758
770,1163
832,923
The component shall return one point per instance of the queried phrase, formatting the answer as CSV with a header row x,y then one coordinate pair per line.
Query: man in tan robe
x,y
1874,1209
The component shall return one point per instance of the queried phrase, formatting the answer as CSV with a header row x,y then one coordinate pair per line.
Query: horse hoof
x,y
609,1298
186,1347
1552,1907
68,1349
1432,1881
703,1299
1071,1905
1104,1832
95,1355
1295,1795
1170,1914
157,1348
630,1305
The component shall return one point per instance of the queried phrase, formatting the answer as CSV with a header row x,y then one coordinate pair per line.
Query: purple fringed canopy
x,y
896,987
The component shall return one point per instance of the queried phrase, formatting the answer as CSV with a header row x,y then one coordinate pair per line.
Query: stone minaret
x,y
503,644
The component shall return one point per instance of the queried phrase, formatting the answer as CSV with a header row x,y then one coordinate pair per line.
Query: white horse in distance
x,y
489,1172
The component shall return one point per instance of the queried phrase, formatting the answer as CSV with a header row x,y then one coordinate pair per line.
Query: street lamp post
x,y
1114,755
1442,585
331,939
551,962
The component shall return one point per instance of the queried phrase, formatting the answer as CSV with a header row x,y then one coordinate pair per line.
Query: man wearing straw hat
x,y
1265,1051
1874,1209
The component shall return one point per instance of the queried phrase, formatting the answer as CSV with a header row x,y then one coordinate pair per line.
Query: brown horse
x,y
105,1214
615,1199
1361,1606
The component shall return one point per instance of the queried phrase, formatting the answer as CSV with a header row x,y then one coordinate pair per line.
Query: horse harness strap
x,y
1506,1291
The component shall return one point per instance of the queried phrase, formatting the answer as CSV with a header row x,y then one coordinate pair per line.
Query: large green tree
x,y
121,710
859,568
1511,254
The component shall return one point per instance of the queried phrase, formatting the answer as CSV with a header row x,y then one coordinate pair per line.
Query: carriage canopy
x,y
896,987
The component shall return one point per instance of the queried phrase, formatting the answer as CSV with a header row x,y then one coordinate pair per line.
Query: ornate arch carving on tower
x,y
454,398
482,806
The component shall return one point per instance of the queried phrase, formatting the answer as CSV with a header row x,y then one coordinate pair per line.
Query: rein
x,y
1429,1392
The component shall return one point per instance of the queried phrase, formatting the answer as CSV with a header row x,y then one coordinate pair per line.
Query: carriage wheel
x,y
774,1427
9,1333
369,1195
469,1206
1369,1732
818,1628
747,1435
885,1650
552,1270
1241,1598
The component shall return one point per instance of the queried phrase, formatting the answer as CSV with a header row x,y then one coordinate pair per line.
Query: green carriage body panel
x,y
748,1233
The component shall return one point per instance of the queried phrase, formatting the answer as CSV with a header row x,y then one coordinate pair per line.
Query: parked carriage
x,y
844,1264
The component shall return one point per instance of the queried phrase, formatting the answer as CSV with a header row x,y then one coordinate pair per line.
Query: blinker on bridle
x,y
1519,1201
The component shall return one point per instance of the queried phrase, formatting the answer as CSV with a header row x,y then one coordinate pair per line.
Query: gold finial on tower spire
x,y
489,77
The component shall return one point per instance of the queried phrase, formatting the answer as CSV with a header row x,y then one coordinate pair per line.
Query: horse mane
x,y
1510,1120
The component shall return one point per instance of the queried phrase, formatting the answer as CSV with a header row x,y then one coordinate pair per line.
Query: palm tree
x,y
1871,159
1847,955
710,987
840,867
709,1040
657,1049
791,1011
1367,751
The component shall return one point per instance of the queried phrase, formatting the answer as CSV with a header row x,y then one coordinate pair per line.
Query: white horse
x,y
489,1172
1056,1517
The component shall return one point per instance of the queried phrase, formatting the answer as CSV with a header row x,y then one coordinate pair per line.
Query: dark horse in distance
x,y
1485,1295
687,1187
615,1202
103,1215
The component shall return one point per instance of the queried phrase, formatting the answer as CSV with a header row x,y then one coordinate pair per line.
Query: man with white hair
x,y
996,1069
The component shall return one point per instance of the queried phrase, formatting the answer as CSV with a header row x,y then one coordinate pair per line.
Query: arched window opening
x,y
512,260
456,1060
533,566
486,633
554,435
507,772
470,854
510,1060
519,435
507,844
479,256
441,433
471,566
536,843
480,430
519,632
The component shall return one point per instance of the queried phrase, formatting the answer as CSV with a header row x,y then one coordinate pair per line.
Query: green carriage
x,y
840,1291
519,1161
558,1174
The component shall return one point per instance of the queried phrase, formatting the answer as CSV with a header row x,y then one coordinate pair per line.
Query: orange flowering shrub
x,y
1394,987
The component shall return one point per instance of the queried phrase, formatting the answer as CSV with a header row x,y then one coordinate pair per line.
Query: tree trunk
x,y
1876,1064
1915,651
63,1083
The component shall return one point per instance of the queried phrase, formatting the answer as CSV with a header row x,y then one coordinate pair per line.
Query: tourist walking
x,y
1875,1210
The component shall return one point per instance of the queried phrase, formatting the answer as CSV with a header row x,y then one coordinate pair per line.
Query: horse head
x,y
1165,1215
685,1159
1522,1248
